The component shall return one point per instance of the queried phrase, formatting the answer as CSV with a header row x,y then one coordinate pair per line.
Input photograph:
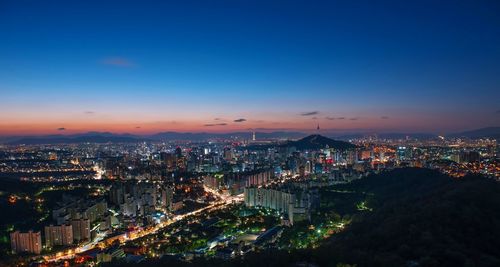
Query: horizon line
x,y
304,131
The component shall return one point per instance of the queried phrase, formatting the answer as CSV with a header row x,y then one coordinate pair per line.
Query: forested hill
x,y
422,218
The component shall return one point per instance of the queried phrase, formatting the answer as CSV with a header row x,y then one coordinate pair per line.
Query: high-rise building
x,y
117,193
295,204
168,159
228,154
401,153
166,196
96,211
30,242
59,235
81,229
178,152
469,156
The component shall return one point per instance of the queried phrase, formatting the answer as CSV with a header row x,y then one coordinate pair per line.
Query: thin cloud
x,y
273,129
314,118
240,120
166,122
341,118
330,118
118,62
61,129
353,119
89,112
214,124
384,117
311,113
138,127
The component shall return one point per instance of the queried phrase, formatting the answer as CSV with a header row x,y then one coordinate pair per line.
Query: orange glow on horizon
x,y
199,126
273,122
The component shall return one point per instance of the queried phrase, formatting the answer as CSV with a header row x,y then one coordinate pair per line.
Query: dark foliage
x,y
423,218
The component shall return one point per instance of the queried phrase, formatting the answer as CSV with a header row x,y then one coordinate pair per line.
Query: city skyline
x,y
249,132
230,66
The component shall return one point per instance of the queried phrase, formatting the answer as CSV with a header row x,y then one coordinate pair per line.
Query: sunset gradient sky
x,y
219,66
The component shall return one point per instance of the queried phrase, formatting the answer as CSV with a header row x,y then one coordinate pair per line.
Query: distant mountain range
x,y
107,137
421,136
489,132
74,140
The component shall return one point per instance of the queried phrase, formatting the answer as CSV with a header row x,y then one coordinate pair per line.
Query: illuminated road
x,y
70,253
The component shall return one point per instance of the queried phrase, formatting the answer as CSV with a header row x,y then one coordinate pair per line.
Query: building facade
x,y
30,242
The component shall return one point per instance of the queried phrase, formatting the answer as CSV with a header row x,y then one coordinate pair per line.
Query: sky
x,y
219,66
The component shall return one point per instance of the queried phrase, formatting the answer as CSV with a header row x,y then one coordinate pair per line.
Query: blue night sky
x,y
147,66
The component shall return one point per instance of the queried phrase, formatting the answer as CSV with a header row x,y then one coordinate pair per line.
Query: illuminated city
x,y
244,133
